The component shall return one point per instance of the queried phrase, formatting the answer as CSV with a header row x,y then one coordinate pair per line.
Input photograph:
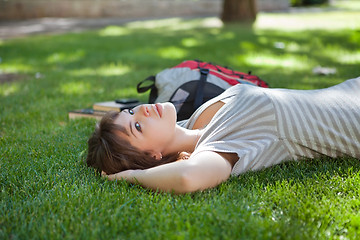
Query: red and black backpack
x,y
193,82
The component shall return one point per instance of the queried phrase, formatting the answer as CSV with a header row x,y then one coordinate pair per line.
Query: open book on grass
x,y
99,109
117,105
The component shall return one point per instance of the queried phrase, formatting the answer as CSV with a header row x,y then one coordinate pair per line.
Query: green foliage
x,y
47,193
297,3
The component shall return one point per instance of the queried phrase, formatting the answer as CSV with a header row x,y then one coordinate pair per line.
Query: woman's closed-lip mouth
x,y
159,109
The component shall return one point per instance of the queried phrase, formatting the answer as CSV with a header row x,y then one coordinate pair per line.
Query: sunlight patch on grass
x,y
190,42
285,61
285,46
227,35
351,5
105,70
114,31
331,21
341,55
350,58
215,31
15,67
75,88
59,57
172,52
8,89
212,22
293,47
113,70
151,24
176,24
344,57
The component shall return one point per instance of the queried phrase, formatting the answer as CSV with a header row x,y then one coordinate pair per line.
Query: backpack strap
x,y
153,90
199,96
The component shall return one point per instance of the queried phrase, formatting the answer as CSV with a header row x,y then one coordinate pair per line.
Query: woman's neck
x,y
184,140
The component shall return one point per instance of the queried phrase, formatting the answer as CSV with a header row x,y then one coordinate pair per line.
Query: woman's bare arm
x,y
204,170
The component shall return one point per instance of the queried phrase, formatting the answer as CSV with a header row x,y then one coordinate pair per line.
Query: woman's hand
x,y
124,175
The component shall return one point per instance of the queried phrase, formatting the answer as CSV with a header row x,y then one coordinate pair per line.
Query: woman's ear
x,y
157,155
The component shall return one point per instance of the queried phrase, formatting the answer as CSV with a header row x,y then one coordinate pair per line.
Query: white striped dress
x,y
265,127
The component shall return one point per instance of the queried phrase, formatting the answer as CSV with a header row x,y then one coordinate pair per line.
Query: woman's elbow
x,y
193,181
187,183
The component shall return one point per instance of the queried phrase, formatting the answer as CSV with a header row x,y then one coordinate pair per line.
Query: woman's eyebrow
x,y
130,124
130,129
123,128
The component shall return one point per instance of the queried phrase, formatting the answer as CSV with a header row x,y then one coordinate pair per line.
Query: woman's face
x,y
149,127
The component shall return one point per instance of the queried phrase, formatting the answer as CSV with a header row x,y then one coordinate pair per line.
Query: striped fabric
x,y
267,126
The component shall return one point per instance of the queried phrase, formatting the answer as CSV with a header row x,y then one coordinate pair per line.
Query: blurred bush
x,y
297,3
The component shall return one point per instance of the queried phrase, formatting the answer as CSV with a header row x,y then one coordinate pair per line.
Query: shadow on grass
x,y
303,171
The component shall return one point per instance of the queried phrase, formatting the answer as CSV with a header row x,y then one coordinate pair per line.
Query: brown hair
x,y
109,152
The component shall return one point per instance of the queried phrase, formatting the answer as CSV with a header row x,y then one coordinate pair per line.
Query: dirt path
x,y
14,29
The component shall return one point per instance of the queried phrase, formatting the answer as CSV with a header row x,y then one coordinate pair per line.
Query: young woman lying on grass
x,y
246,128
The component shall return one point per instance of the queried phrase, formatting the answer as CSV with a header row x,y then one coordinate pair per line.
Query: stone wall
x,y
26,9
273,5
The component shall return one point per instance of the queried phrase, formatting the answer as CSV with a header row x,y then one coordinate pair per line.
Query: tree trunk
x,y
239,10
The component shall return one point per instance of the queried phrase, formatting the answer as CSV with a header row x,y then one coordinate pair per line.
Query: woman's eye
x,y
131,112
138,127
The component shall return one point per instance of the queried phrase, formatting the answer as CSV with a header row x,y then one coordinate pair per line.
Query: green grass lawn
x,y
46,193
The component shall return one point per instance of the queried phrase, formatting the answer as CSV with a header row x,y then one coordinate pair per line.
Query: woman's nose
x,y
144,110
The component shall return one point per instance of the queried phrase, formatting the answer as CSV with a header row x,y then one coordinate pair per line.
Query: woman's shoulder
x,y
234,93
